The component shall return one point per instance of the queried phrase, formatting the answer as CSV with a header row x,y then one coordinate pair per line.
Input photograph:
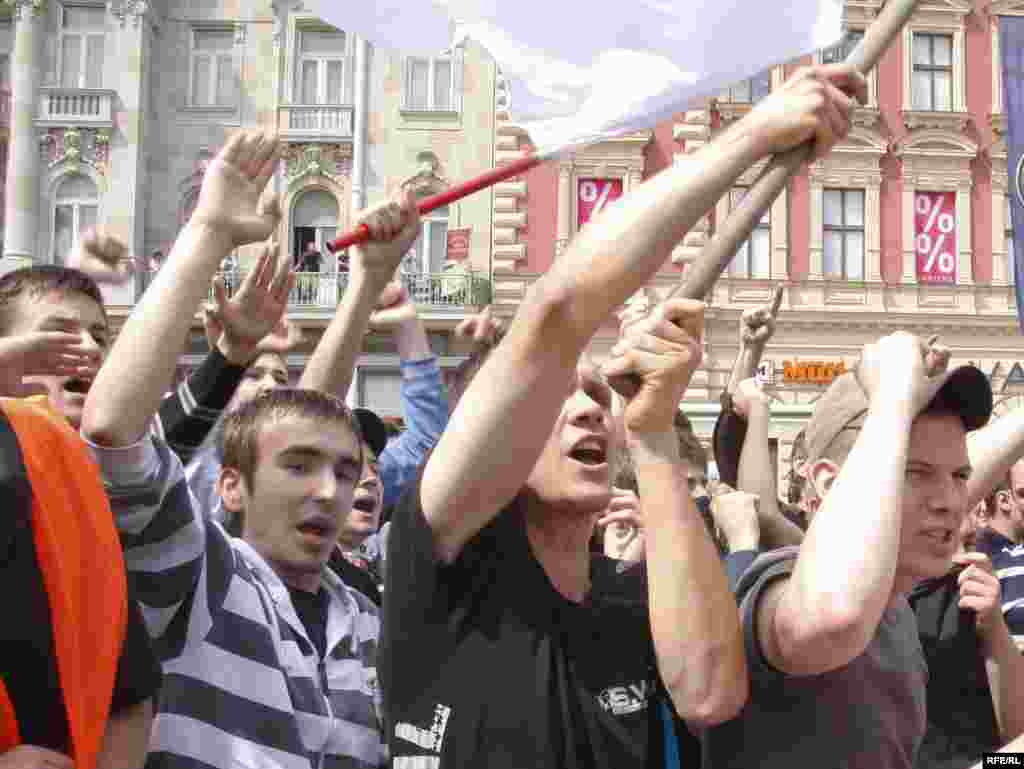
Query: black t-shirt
x,y
312,610
28,662
484,663
961,719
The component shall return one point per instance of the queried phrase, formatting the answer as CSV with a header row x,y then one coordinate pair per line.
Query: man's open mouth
x,y
78,385
592,452
364,504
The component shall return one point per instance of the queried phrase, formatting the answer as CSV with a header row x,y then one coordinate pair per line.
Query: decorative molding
x,y
428,179
954,122
511,142
76,147
695,132
333,161
136,10
28,9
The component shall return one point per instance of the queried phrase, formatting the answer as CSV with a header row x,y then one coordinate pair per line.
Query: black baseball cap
x,y
374,431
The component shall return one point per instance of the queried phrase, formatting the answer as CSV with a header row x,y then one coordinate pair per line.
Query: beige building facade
x,y
112,109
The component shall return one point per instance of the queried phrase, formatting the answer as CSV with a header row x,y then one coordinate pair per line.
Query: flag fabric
x,y
580,71
1011,42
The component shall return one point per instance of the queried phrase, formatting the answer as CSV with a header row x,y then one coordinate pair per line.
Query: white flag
x,y
583,70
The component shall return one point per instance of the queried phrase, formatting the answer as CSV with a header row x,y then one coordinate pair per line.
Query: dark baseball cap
x,y
374,431
844,405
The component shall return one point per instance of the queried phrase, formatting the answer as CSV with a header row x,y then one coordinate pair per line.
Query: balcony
x,y
91,107
315,122
319,293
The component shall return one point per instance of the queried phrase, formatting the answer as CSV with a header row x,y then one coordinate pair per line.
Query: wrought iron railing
x,y
320,290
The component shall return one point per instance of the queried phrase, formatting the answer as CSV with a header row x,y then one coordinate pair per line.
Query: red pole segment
x,y
459,191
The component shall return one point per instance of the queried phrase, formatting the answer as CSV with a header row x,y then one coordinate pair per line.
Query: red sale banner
x,y
594,194
935,236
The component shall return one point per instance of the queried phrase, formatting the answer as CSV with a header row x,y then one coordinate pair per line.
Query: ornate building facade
x,y
903,226
112,110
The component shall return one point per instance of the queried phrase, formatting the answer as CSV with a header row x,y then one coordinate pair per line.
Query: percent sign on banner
x,y
594,194
935,236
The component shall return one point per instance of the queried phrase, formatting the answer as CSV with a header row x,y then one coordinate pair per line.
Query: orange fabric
x,y
83,569
9,737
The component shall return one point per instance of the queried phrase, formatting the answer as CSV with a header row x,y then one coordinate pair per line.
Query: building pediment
x,y
936,142
944,6
1006,8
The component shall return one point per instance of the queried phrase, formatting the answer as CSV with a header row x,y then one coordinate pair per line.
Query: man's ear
x,y
231,486
821,474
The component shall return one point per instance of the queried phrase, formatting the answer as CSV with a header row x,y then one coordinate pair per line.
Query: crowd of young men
x,y
261,615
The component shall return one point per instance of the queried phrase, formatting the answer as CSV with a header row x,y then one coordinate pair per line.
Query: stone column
x,y
359,119
21,214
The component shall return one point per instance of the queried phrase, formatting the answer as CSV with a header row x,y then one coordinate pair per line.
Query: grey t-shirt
x,y
869,714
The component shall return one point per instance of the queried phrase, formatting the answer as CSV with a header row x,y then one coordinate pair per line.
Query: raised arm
x,y
694,623
130,386
756,473
994,450
489,449
826,613
394,227
756,329
424,399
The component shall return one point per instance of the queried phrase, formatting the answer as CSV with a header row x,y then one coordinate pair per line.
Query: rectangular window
x,y
753,259
749,91
932,77
214,81
429,84
837,53
82,36
843,234
321,67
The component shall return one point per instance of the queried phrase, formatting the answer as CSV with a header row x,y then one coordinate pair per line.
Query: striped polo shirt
x,y
1008,562
244,686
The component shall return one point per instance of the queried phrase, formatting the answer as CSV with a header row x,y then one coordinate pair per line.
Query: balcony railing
x,y
75,106
316,121
322,291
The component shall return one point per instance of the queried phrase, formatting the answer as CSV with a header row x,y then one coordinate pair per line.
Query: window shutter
x,y
457,56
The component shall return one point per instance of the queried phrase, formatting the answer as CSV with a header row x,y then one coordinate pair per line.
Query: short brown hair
x,y
242,426
690,448
39,280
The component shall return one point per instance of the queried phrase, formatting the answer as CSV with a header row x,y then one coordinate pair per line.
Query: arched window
x,y
75,210
315,220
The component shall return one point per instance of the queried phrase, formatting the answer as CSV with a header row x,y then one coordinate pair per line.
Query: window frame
x,y
764,225
322,61
427,223
727,96
101,33
932,69
844,229
215,58
455,84
76,205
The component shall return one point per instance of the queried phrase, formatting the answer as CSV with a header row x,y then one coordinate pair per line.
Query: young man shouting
x,y
269,659
505,644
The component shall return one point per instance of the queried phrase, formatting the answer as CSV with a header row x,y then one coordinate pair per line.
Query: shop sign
x,y
812,371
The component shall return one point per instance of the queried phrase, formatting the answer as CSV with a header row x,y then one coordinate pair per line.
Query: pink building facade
x,y
903,226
